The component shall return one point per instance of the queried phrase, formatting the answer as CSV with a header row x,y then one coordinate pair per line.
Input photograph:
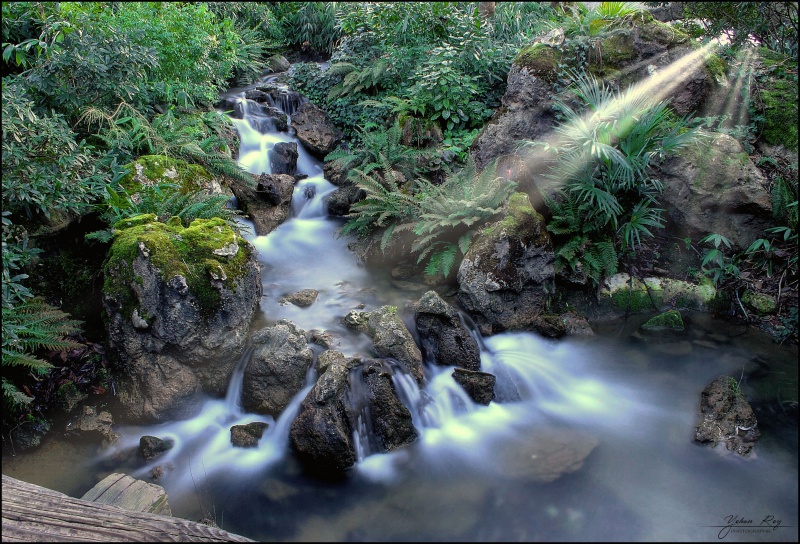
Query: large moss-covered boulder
x,y
178,302
507,276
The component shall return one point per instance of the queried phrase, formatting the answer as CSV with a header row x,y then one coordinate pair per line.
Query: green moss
x,y
540,60
521,220
174,250
759,302
154,169
669,320
656,31
635,300
717,67
617,47
780,112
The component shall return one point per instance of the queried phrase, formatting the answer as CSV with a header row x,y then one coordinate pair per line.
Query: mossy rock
x,y
669,320
759,302
656,31
521,220
636,296
206,251
541,60
777,85
617,47
150,170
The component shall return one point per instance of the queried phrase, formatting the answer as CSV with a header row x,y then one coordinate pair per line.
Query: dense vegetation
x,y
89,87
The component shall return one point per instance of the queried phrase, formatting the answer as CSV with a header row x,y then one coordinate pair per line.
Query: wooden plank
x,y
121,490
32,513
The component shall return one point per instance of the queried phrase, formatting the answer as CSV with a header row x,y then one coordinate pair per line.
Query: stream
x,y
509,471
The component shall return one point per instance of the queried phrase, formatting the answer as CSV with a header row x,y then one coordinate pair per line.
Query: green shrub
x,y
44,167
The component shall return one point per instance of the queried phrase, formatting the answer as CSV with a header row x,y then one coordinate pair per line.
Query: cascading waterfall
x,y
452,482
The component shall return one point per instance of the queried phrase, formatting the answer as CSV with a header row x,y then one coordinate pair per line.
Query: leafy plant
x,y
44,167
27,328
450,213
715,263
443,217
375,147
600,166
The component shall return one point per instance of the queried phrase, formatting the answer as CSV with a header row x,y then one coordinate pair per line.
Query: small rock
x,y
247,436
153,446
303,299
669,320
478,385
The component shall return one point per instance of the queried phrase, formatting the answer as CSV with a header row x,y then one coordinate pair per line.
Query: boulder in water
x,y
179,303
269,204
283,158
247,436
315,130
153,446
726,417
443,338
546,454
478,385
507,277
278,369
351,393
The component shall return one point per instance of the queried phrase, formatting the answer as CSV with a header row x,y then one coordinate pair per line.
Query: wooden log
x,y
126,492
32,513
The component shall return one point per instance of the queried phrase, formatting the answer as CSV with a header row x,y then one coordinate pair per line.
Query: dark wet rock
x,y
68,397
341,200
321,338
303,298
179,303
546,454
507,277
153,446
283,158
269,204
478,385
94,425
388,420
322,433
444,340
315,130
278,368
391,338
716,188
726,417
248,435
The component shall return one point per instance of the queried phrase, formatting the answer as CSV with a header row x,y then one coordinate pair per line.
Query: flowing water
x,y
512,470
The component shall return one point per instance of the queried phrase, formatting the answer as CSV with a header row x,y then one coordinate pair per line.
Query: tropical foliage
x,y
605,195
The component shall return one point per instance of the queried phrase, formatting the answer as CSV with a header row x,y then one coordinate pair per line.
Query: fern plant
x,y
386,203
165,201
450,213
357,80
601,164
375,146
27,328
